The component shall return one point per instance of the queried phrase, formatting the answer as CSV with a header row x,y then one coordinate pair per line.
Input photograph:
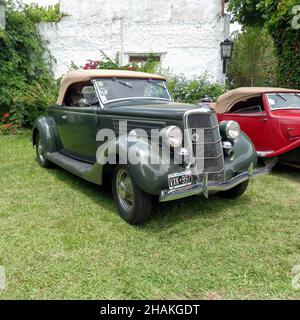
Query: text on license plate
x,y
179,180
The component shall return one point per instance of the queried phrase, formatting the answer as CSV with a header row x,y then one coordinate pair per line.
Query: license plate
x,y
179,180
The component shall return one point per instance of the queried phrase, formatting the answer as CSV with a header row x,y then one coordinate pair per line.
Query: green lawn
x,y
60,237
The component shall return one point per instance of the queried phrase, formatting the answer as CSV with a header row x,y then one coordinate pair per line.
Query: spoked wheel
x,y
40,153
133,204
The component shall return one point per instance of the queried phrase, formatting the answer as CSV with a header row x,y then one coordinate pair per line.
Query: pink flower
x,y
6,115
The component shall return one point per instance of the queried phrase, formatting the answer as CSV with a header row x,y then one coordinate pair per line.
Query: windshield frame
x,y
279,94
104,104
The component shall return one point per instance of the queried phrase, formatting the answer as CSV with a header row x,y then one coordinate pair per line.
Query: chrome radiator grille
x,y
210,160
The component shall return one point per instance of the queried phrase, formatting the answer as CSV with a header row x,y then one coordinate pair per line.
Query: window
x,y
120,89
284,100
79,91
252,105
141,58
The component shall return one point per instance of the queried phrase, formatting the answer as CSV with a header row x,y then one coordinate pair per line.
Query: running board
x,y
87,171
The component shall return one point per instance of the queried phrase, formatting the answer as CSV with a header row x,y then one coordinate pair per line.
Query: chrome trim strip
x,y
97,93
201,158
263,153
215,142
207,128
136,98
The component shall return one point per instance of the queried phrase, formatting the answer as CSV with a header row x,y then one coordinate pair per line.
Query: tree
x,y
282,19
253,62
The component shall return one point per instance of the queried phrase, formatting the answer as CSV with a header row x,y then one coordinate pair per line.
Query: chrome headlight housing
x,y
172,136
230,129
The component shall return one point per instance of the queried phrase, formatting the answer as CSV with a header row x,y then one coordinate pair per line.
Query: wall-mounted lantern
x,y
226,52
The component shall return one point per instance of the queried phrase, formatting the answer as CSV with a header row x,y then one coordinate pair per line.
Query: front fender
x,y
46,127
151,176
244,156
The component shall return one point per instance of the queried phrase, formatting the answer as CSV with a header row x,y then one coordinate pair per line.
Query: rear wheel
x,y
133,204
236,191
40,153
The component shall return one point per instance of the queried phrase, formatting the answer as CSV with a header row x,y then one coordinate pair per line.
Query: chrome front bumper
x,y
206,186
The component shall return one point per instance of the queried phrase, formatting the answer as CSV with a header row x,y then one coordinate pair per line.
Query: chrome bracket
x,y
251,170
205,186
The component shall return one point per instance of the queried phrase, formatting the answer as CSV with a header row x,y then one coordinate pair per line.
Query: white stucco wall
x,y
42,2
187,33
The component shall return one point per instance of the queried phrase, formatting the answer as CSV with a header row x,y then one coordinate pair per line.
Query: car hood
x,y
170,110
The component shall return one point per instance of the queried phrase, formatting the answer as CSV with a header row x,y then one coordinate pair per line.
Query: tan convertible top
x,y
228,99
88,75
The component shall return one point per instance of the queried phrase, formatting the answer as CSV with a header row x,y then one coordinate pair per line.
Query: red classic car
x,y
269,116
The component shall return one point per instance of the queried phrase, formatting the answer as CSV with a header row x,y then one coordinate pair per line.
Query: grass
x,y
61,238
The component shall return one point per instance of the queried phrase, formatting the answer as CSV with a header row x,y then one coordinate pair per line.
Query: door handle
x,y
64,117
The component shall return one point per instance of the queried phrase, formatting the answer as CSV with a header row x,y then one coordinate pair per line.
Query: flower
x,y
2,127
8,125
6,115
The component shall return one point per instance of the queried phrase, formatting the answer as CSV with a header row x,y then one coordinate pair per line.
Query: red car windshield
x,y
284,101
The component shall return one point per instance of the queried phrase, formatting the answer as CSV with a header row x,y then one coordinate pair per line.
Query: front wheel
x,y
134,205
40,153
236,191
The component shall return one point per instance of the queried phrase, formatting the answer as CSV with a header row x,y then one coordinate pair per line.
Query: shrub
x,y
9,124
37,14
33,102
253,62
192,91
278,17
25,64
107,63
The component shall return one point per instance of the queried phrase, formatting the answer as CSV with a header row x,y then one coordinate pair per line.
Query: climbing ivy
x,y
25,64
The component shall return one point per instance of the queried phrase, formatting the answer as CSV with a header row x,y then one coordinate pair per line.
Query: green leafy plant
x,y
25,64
33,102
105,62
253,62
9,124
39,14
192,91
278,16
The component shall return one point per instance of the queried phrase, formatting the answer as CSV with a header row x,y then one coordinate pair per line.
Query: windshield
x,y
284,101
118,89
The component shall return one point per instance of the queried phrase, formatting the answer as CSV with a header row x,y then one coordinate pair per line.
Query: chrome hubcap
x,y
124,189
40,149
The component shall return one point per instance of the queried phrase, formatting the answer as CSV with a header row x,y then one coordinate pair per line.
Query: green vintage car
x,y
124,127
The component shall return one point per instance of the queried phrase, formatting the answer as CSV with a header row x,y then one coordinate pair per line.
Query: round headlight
x,y
173,136
232,130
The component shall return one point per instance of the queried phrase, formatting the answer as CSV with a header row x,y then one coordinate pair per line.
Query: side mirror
x,y
83,103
